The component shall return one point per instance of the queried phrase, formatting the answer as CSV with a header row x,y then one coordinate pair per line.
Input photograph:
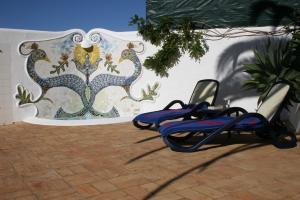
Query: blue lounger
x,y
204,95
263,122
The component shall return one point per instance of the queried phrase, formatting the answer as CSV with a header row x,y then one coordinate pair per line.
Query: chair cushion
x,y
161,115
208,125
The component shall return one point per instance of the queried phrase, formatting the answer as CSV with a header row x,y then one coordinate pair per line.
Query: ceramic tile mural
x,y
78,82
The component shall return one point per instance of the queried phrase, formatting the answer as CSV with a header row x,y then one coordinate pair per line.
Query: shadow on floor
x,y
147,139
165,147
145,154
219,141
203,166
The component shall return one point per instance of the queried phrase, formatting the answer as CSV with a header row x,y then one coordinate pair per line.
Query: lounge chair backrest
x,y
205,90
273,101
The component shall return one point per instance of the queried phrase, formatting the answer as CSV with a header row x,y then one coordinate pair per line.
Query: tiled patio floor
x,y
121,162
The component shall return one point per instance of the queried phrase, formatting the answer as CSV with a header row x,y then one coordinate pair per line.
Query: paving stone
x,y
245,195
208,191
114,195
136,192
29,197
104,186
79,179
192,194
86,190
118,161
168,196
64,172
128,180
16,194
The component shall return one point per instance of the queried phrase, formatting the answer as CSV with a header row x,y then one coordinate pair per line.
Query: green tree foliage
x,y
173,39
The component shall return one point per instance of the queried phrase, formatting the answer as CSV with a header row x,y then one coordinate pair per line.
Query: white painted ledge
x,y
53,122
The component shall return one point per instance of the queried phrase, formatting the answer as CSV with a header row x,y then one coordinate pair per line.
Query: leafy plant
x,y
151,92
146,95
62,63
174,40
277,62
24,96
109,64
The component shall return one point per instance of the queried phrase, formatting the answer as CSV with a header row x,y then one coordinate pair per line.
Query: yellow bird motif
x,y
93,54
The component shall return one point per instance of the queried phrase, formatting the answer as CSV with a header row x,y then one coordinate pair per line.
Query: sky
x,y
61,15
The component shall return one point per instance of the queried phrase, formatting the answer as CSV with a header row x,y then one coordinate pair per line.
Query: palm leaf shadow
x,y
230,71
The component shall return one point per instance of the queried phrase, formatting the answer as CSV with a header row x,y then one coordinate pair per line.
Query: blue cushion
x,y
208,125
161,115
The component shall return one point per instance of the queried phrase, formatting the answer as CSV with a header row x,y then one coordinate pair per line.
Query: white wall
x,y
5,84
221,62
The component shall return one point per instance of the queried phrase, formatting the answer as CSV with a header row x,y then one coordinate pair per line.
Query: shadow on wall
x,y
230,73
230,85
294,116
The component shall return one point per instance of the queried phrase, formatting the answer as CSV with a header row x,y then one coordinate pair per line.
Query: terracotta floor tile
x,y
192,194
64,172
168,196
11,184
208,191
86,190
266,193
245,195
67,196
16,194
136,192
119,161
154,186
78,169
114,195
104,186
29,197
128,180
54,194
79,179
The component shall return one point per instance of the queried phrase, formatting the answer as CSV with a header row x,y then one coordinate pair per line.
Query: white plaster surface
x,y
221,62
52,122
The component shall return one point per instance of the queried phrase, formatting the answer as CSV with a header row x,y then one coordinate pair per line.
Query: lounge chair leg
x,y
229,134
146,126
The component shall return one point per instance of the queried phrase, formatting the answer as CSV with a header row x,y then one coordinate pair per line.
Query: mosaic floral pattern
x,y
79,70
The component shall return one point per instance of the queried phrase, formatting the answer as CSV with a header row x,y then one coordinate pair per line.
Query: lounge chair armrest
x,y
231,110
202,105
173,103
197,108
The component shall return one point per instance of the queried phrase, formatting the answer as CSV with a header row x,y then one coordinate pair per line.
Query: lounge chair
x,y
204,95
264,122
